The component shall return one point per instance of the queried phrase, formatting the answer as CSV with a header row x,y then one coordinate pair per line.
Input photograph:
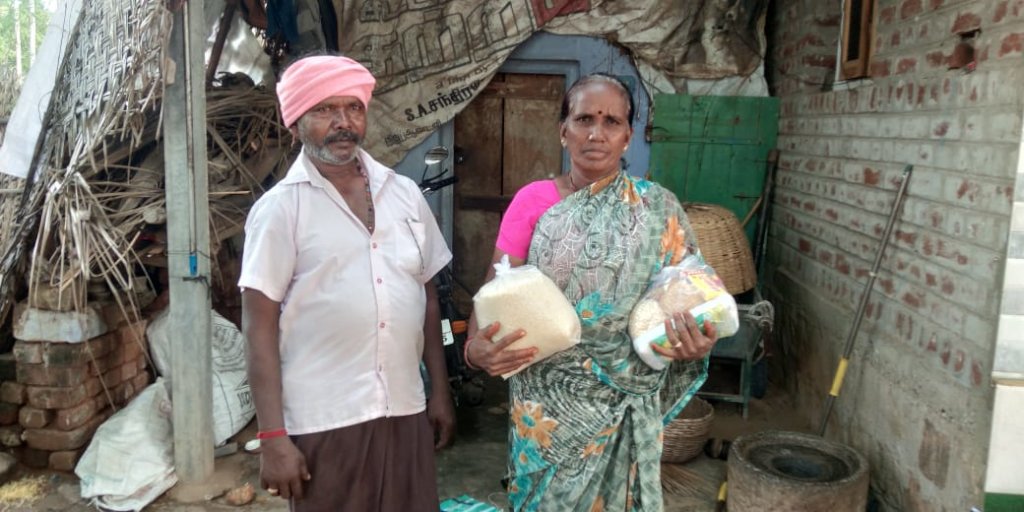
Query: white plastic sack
x,y
524,298
691,285
232,399
130,460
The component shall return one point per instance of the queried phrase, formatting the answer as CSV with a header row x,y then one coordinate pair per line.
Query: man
x,y
339,308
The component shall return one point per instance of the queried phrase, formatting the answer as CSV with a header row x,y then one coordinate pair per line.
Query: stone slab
x,y
31,324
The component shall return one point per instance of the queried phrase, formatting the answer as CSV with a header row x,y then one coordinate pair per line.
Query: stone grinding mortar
x,y
794,472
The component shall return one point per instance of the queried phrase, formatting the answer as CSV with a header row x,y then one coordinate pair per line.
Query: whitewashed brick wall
x,y
918,396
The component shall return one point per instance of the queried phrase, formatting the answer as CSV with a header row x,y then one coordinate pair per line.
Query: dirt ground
x,y
474,466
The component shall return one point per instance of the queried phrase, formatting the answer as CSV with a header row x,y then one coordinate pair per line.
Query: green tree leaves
x,y
25,12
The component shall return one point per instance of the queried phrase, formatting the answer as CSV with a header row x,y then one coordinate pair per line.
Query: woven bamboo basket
x,y
685,436
724,245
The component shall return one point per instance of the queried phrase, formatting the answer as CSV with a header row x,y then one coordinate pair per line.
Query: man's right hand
x,y
282,468
491,356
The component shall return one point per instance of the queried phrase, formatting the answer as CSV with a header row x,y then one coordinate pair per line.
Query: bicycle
x,y
466,385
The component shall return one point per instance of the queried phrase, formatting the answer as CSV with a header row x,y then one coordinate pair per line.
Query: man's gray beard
x,y
320,151
324,155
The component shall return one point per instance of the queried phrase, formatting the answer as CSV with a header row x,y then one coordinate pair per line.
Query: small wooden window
x,y
857,34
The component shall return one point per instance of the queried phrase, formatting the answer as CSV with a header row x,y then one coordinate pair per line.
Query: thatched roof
x,y
98,191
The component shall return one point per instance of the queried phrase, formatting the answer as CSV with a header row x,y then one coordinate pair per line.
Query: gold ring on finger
x,y
272,490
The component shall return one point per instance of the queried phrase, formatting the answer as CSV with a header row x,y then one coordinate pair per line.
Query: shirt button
x,y
374,245
382,325
379,280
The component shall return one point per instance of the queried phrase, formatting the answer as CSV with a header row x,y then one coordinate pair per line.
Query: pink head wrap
x,y
311,80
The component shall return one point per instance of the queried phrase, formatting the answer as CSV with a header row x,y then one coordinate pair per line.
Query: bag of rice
x,y
691,285
524,298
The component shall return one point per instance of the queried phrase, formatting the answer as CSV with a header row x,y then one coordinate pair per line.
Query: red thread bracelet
x,y
465,355
268,434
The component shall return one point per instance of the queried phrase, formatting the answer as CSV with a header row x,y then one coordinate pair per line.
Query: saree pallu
x,y
586,424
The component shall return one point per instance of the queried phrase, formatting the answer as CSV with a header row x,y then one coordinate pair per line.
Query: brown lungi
x,y
382,465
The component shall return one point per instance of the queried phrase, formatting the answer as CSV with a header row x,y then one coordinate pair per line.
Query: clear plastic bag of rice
x,y
524,298
691,285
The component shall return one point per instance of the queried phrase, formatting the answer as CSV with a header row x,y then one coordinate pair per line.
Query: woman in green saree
x,y
586,423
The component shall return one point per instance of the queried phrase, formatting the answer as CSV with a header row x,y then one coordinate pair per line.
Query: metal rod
x,y
761,233
223,27
862,306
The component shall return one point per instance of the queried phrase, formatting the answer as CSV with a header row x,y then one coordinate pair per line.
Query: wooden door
x,y
713,149
507,137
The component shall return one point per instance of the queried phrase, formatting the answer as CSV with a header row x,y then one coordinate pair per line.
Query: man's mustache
x,y
342,136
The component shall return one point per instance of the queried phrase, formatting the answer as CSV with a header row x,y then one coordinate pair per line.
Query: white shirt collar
x,y
305,171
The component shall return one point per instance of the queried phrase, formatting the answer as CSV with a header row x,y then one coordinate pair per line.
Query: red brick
x,y
30,352
910,8
59,440
821,61
887,15
68,419
132,350
880,68
57,376
93,387
936,59
30,417
129,370
1013,43
140,382
12,392
124,393
111,360
1000,12
58,398
64,460
906,65
131,388
114,316
966,22
134,333
9,413
73,354
113,377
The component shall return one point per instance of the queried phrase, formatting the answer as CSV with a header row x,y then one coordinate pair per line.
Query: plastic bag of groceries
x,y
524,298
691,285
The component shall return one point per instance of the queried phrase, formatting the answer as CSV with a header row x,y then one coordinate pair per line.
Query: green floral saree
x,y
586,424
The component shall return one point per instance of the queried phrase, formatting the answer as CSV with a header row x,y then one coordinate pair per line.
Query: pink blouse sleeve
x,y
522,214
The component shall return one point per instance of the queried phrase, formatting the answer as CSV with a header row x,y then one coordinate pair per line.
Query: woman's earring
x,y
624,148
563,143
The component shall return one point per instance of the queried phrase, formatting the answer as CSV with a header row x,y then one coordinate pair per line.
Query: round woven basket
x,y
685,436
724,245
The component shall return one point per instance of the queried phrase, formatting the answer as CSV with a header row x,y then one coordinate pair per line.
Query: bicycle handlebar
x,y
431,186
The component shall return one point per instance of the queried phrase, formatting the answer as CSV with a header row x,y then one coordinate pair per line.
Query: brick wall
x,y
917,398
63,391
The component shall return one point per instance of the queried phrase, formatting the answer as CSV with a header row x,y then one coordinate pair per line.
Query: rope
x,y
762,314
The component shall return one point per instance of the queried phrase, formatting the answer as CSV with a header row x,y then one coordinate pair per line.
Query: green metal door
x,y
713,149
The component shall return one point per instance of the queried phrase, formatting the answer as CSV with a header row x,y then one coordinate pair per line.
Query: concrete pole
x,y
188,246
